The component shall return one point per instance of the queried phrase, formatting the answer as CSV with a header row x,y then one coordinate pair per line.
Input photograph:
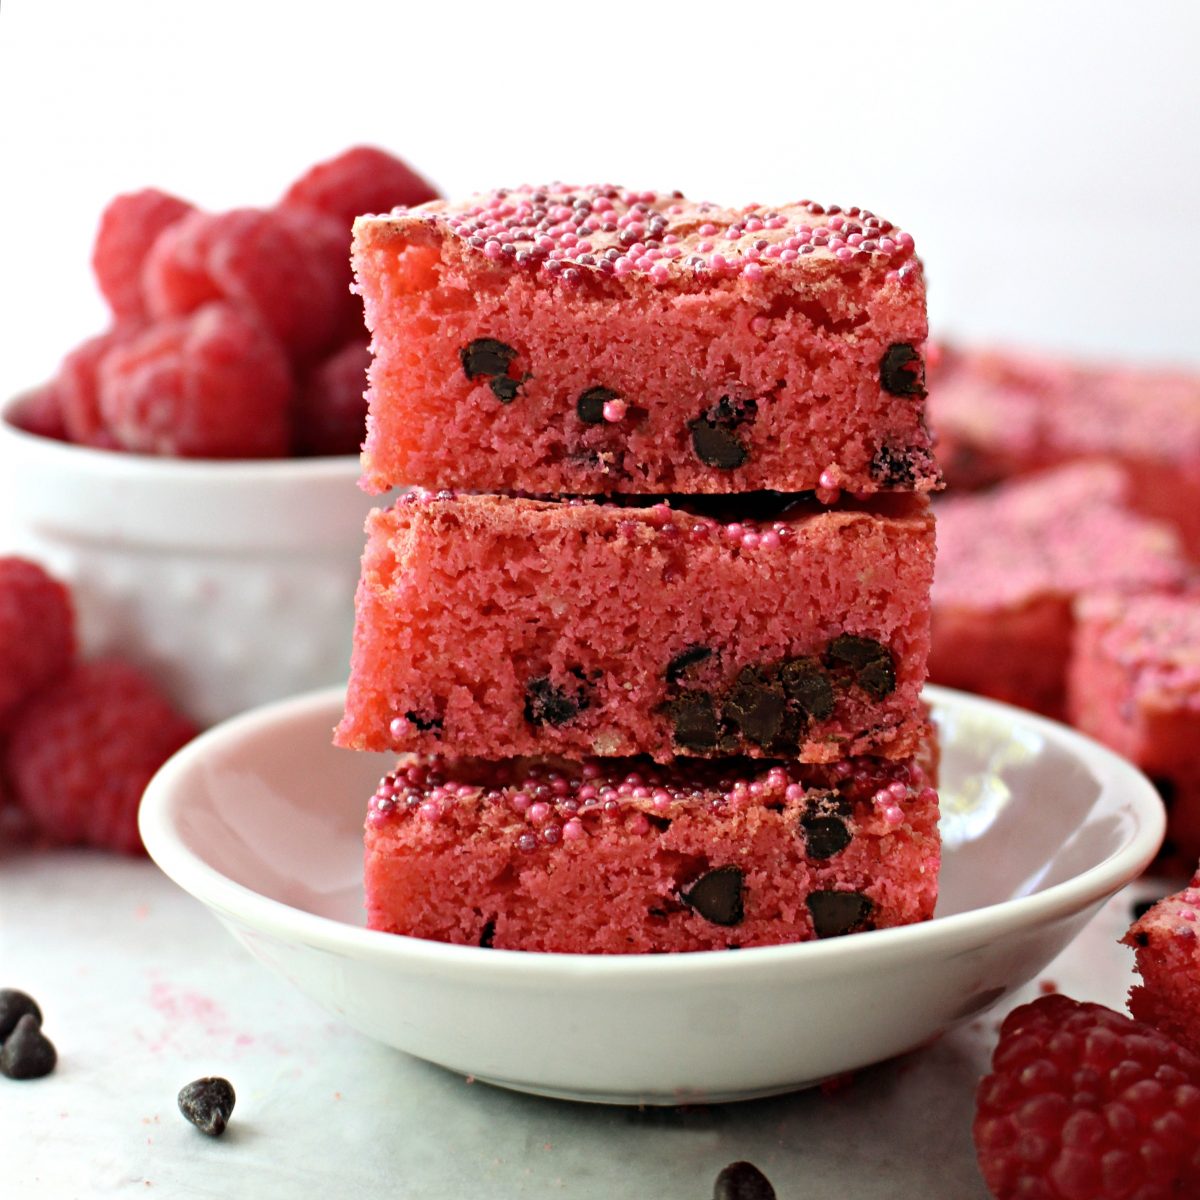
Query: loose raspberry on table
x,y
289,267
129,226
1086,1104
76,385
214,384
363,179
82,751
37,634
331,408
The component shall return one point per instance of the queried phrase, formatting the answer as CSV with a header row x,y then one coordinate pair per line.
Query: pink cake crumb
x,y
1166,945
759,625
610,856
1134,684
1012,561
594,340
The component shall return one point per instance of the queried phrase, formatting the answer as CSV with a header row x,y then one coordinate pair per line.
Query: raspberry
x,y
40,412
211,385
331,409
1085,1104
128,228
37,633
360,180
81,753
76,386
289,267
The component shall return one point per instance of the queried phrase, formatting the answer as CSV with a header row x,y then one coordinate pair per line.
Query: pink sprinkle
x,y
622,267
749,542
770,540
794,792
893,814
573,830
734,531
788,256
828,480
492,250
718,262
614,411
431,811
707,230
843,254
399,727
518,801
753,271
659,273
538,812
637,824
705,247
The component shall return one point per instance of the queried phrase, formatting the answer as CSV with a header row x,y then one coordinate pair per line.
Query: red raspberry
x,y
289,267
129,226
211,385
1085,1104
37,633
40,412
82,752
360,180
331,408
76,386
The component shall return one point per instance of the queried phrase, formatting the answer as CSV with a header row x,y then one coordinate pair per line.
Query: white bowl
x,y
261,820
231,582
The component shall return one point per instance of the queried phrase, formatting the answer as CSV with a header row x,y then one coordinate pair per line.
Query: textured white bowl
x,y
231,582
261,820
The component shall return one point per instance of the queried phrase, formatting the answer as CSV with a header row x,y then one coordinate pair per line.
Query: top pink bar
x,y
592,340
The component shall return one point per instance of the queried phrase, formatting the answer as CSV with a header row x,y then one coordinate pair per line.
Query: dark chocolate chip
x,y
756,706
716,446
717,896
695,721
548,704
824,836
1141,908
208,1103
786,741
806,683
486,356
590,405
742,1181
662,824
871,661
423,721
894,466
1142,938
837,913
901,371
13,1006
685,659
28,1053
878,678
488,934
505,389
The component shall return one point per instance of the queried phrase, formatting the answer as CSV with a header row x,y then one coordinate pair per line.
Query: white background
x,y
1045,155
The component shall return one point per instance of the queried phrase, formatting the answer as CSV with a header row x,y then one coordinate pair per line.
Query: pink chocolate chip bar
x,y
593,340
614,856
1134,684
1012,561
759,625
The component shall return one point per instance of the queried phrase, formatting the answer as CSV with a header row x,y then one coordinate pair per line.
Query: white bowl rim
x,y
970,928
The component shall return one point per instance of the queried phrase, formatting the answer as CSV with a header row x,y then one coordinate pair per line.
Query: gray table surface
x,y
142,991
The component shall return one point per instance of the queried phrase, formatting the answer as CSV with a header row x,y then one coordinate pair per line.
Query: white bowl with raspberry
x,y
231,582
261,819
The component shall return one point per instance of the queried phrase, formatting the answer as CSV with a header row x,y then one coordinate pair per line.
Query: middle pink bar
x,y
757,624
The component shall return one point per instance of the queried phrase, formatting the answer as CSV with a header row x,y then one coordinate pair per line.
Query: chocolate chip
x,y
717,896
872,663
756,706
901,371
488,934
1141,938
13,1006
742,1181
423,721
590,405
685,659
505,389
548,704
806,683
824,836
27,1052
838,913
486,356
716,446
695,721
208,1103
893,466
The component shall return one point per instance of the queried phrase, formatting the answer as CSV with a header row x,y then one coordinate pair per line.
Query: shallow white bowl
x,y
261,819
231,582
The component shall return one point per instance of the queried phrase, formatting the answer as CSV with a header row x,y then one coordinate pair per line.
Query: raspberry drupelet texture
x,y
610,856
81,752
1166,946
595,340
78,388
1085,1104
362,179
37,634
763,625
213,384
40,412
129,226
330,414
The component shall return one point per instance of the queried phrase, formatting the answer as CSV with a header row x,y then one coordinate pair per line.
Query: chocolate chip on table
x,y
695,720
871,661
685,659
756,706
717,896
486,356
208,1103
590,405
742,1181
548,704
13,1006
805,682
901,371
716,446
838,913
27,1052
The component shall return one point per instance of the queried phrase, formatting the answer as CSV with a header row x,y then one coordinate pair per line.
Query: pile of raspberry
x,y
79,741
1084,1103
234,334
